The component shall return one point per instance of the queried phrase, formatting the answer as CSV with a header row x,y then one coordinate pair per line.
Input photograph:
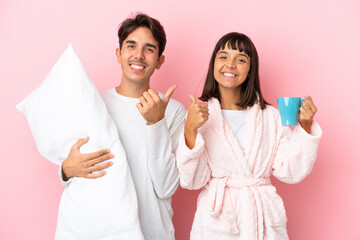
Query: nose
x,y
139,54
230,63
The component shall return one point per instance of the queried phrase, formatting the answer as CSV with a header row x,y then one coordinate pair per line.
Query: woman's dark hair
x,y
143,20
250,88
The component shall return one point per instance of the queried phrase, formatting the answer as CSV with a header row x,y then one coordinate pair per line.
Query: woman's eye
x,y
222,57
241,60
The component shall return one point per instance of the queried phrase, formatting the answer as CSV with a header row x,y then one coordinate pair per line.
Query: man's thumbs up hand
x,y
152,107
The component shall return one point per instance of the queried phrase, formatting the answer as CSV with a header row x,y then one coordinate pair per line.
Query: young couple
x,y
229,145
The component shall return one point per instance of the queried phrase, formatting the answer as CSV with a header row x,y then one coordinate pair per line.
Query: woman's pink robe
x,y
237,200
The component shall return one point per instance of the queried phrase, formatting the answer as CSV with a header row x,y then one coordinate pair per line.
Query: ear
x,y
118,55
160,62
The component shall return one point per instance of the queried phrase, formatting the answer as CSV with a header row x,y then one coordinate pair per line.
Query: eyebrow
x,y
130,41
241,54
151,45
147,44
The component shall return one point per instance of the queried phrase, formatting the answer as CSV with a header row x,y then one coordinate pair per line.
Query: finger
x,y
204,110
312,105
205,114
303,113
100,167
193,100
307,96
95,175
168,93
205,119
89,156
143,102
81,142
148,97
154,95
101,159
307,107
203,105
139,107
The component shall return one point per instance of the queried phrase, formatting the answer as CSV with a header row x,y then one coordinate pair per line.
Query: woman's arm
x,y
191,156
297,150
192,163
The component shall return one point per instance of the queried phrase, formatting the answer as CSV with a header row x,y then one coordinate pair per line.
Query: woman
x,y
232,154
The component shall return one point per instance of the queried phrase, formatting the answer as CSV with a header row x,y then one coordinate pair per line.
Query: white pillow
x,y
64,108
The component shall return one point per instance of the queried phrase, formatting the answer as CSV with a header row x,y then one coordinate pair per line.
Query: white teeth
x,y
229,75
137,66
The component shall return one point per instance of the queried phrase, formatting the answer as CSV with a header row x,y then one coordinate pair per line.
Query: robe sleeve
x,y
296,152
193,165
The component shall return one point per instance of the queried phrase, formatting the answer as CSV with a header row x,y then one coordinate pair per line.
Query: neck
x,y
229,97
131,89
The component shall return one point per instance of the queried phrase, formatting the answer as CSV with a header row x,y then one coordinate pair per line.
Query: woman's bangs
x,y
236,43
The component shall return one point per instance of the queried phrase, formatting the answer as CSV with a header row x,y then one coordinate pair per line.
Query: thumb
x,y
81,142
193,100
168,93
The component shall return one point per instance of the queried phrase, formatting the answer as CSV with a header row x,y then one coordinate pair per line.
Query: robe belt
x,y
219,184
217,189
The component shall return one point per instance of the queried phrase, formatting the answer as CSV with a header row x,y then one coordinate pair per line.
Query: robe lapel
x,y
254,134
227,136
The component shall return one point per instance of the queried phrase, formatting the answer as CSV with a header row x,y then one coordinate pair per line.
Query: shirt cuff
x,y
64,183
156,125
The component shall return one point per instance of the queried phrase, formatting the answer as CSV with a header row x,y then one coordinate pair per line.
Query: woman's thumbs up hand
x,y
198,114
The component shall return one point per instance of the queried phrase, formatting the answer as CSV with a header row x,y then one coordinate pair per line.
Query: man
x,y
149,125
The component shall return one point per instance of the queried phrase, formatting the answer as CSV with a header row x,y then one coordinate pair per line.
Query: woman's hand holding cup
x,y
307,113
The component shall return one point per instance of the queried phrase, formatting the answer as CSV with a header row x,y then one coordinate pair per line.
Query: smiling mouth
x,y
229,75
137,67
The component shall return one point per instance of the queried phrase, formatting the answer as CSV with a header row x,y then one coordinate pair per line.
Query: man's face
x,y
139,56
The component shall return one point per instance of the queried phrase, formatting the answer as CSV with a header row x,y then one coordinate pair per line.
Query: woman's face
x,y
231,68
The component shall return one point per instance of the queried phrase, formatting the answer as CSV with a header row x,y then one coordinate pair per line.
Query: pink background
x,y
304,47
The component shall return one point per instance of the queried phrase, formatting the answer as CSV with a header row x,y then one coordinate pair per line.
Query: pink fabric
x,y
238,200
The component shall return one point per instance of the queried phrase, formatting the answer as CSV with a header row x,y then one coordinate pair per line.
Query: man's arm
x,y
161,143
161,140
83,165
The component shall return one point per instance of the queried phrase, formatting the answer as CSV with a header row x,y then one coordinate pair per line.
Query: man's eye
x,y
222,57
149,50
131,46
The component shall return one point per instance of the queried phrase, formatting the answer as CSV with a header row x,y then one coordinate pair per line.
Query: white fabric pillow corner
x,y
64,108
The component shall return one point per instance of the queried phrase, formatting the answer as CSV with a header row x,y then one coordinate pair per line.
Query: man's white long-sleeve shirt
x,y
150,153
